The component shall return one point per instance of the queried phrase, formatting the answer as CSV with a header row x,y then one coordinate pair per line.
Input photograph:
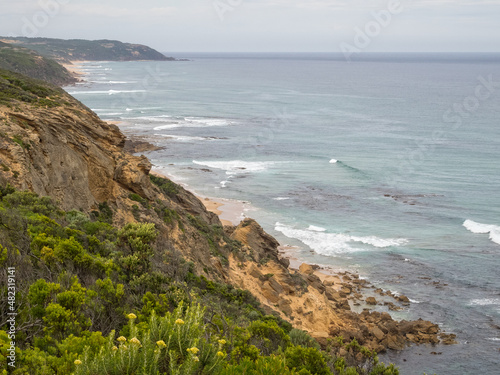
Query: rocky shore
x,y
320,302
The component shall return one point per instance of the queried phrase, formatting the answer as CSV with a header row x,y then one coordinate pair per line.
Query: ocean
x,y
388,166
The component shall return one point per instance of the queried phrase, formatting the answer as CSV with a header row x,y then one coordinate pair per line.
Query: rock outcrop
x,y
316,302
70,155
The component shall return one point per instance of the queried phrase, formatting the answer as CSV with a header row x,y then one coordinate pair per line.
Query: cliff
x,y
53,145
31,64
87,50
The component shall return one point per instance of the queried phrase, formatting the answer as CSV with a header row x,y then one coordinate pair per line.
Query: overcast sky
x,y
264,25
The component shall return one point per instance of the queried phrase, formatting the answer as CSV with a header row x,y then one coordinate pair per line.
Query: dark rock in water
x,y
371,301
392,306
448,339
403,299
136,146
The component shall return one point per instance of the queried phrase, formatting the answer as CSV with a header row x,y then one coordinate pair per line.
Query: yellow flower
x,y
124,347
196,359
222,342
220,354
134,340
161,344
193,350
114,348
179,321
132,316
77,362
121,339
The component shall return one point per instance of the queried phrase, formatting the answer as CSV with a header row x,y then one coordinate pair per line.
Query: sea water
x,y
388,166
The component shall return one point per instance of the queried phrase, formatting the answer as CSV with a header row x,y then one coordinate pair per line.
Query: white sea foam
x,y
160,118
332,244
208,121
493,338
478,228
281,198
484,302
236,166
188,122
333,161
316,229
223,184
181,138
108,92
111,82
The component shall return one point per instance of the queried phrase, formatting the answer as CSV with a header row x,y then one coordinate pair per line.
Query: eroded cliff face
x,y
66,152
69,154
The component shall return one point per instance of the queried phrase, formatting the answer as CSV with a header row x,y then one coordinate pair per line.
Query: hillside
x,y
87,50
98,244
30,63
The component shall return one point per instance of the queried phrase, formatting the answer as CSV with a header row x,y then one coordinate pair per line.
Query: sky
x,y
265,25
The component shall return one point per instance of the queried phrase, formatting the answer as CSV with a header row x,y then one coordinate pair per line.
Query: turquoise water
x,y
388,167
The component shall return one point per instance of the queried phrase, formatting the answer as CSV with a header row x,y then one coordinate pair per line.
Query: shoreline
x,y
218,206
75,68
358,292
230,212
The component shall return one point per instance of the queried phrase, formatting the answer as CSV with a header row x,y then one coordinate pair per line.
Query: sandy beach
x,y
75,69
230,212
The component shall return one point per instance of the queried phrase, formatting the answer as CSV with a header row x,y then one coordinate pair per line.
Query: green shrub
x,y
310,359
358,360
299,337
168,187
267,336
173,344
273,365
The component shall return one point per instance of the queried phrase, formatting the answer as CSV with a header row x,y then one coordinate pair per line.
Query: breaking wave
x,y
478,228
332,244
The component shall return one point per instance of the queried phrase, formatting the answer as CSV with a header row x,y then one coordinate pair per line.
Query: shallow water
x,y
365,166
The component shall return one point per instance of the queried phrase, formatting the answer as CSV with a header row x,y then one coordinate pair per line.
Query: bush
x,y
299,337
358,360
309,359
172,344
267,336
273,365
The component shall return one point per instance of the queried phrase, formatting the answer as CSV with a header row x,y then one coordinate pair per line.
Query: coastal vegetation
x,y
27,62
16,87
93,298
87,50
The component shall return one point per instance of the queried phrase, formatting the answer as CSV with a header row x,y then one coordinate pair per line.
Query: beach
x,y
75,68
230,212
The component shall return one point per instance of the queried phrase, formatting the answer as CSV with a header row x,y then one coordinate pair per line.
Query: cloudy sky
x,y
264,25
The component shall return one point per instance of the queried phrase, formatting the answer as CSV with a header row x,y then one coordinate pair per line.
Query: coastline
x,y
75,68
356,291
230,212
218,206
